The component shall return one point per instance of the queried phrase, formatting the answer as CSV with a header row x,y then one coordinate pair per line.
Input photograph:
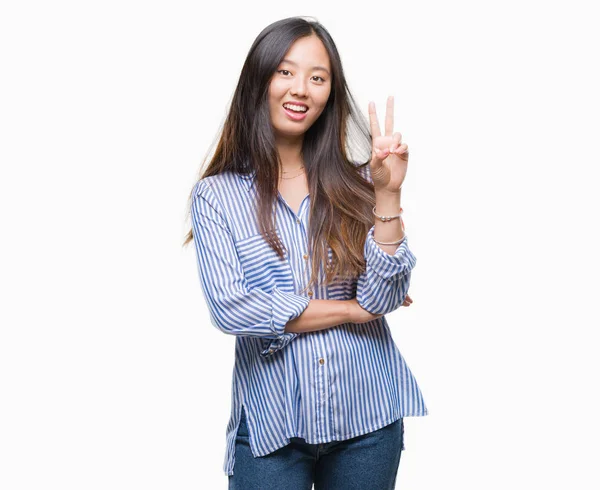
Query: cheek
x,y
273,105
323,102
276,90
275,99
321,108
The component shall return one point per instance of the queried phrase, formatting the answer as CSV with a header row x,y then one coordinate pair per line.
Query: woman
x,y
301,252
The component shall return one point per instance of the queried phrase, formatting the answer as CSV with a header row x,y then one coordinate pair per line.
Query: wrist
x,y
386,193
388,203
348,310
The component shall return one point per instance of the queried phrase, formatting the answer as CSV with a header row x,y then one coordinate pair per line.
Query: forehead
x,y
308,52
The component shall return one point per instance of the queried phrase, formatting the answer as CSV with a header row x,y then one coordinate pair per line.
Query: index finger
x,y
375,131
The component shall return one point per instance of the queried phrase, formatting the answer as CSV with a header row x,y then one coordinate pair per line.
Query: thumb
x,y
378,157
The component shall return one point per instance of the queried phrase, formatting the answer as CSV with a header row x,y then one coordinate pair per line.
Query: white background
x,y
111,375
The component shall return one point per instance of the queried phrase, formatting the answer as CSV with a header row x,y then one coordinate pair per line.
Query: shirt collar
x,y
249,179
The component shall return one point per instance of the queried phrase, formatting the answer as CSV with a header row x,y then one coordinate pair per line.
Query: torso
x,y
294,191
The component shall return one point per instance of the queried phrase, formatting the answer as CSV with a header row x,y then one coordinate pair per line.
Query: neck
x,y
290,153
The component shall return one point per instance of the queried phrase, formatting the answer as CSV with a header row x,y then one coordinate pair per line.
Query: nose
x,y
299,87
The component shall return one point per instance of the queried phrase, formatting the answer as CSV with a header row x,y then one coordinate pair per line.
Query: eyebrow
x,y
314,67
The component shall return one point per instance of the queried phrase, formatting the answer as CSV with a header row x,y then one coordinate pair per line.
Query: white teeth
x,y
298,108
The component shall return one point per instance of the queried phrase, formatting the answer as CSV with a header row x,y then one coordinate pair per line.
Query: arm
x,y
321,314
383,286
235,308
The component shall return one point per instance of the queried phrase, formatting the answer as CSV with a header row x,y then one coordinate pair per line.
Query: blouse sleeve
x,y
234,307
383,286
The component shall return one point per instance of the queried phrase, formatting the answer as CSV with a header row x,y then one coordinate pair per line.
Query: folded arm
x,y
234,307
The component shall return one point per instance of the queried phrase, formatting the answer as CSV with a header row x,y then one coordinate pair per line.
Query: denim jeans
x,y
366,462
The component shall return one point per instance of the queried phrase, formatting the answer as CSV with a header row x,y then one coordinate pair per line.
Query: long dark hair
x,y
335,150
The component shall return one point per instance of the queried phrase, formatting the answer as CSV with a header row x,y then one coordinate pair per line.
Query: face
x,y
303,77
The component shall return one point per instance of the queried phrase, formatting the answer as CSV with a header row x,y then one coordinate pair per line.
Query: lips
x,y
296,103
295,116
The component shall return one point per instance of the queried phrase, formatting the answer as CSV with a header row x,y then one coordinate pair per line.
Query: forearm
x,y
387,204
320,314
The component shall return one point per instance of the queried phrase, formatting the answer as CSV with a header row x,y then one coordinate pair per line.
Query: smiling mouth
x,y
295,115
296,108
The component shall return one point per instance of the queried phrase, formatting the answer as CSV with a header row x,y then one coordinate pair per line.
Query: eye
x,y
321,79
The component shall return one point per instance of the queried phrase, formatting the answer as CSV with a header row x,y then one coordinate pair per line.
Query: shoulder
x,y
226,194
216,186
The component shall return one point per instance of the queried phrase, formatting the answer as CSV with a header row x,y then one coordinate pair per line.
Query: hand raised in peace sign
x,y
389,157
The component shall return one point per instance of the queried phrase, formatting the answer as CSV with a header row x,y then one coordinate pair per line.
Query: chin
x,y
297,131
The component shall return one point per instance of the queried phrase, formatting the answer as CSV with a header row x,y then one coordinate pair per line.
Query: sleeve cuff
x,y
286,306
385,265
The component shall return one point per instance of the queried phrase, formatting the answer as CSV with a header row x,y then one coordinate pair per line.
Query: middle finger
x,y
389,116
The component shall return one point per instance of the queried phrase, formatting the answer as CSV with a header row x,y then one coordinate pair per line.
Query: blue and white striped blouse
x,y
325,385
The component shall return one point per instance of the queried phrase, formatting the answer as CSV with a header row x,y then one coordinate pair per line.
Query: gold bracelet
x,y
387,218
391,243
